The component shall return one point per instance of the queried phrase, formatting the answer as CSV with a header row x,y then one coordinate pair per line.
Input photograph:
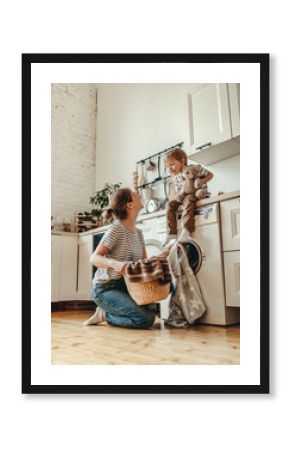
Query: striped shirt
x,y
123,245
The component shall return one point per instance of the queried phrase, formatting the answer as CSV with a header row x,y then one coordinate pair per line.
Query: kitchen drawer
x,y
161,237
230,223
149,228
232,278
161,223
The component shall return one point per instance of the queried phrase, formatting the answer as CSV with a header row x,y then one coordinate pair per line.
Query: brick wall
x,y
73,142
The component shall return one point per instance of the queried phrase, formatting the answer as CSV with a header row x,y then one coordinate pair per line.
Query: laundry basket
x,y
148,291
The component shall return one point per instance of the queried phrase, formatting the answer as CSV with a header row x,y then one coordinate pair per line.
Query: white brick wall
x,y
73,139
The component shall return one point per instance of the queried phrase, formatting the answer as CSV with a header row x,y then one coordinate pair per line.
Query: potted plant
x,y
101,200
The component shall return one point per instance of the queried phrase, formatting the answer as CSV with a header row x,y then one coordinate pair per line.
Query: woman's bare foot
x,y
98,317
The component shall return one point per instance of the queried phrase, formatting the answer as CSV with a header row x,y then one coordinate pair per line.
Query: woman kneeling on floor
x,y
122,243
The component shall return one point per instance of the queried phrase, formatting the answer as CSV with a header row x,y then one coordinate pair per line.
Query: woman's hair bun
x,y
108,214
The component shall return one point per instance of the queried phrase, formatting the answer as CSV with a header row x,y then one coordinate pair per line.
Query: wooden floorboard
x,y
73,343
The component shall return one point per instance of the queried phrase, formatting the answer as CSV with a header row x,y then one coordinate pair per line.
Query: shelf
x,y
157,180
179,144
82,225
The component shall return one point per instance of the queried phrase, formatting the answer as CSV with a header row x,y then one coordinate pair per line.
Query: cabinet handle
x,y
208,144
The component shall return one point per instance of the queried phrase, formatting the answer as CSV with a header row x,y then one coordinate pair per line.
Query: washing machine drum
x,y
192,249
194,254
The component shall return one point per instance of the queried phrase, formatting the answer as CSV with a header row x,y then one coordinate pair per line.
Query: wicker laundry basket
x,y
148,291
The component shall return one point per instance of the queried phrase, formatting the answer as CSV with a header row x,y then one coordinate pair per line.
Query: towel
x,y
154,268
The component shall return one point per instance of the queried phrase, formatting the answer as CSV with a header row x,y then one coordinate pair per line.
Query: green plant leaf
x,y
101,197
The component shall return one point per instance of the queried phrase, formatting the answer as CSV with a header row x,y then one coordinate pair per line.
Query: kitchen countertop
x,y
219,198
200,203
83,233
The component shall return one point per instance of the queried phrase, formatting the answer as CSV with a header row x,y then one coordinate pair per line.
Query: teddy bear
x,y
192,183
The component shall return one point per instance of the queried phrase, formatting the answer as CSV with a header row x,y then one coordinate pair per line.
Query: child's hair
x,y
176,153
118,204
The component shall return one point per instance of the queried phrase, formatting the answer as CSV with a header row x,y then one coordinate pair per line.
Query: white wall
x,y
137,120
73,146
226,175
133,121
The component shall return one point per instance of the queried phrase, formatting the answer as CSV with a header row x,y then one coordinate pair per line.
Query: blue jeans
x,y
120,309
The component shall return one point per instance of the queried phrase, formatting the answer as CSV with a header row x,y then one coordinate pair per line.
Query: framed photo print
x,y
145,223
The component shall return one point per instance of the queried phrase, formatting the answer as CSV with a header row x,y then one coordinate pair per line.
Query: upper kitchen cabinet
x,y
234,99
214,122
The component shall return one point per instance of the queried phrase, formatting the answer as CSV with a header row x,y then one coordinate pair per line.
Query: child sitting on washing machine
x,y
190,184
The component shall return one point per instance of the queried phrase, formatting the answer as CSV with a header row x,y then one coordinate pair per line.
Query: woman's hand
x,y
167,251
120,266
122,269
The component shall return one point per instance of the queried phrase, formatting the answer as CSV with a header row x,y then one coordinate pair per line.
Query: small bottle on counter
x,y
74,224
58,223
67,225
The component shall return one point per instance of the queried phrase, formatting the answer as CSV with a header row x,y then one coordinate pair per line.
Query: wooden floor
x,y
73,343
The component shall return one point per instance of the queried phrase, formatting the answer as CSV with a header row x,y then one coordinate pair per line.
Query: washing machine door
x,y
192,249
153,247
194,254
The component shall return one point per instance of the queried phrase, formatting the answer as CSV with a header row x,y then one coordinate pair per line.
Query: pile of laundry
x,y
186,301
154,268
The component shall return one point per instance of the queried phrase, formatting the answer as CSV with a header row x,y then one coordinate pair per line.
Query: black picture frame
x,y
263,61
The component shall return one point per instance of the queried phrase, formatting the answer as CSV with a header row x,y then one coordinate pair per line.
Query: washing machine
x,y
154,248
204,253
210,276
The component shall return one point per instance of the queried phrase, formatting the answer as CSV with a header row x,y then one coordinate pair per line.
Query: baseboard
x,y
73,305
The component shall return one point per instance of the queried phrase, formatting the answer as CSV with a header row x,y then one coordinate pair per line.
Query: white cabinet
x,y
232,278
230,217
55,266
64,255
161,228
234,100
210,115
214,122
230,223
68,268
155,228
71,271
149,228
84,279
